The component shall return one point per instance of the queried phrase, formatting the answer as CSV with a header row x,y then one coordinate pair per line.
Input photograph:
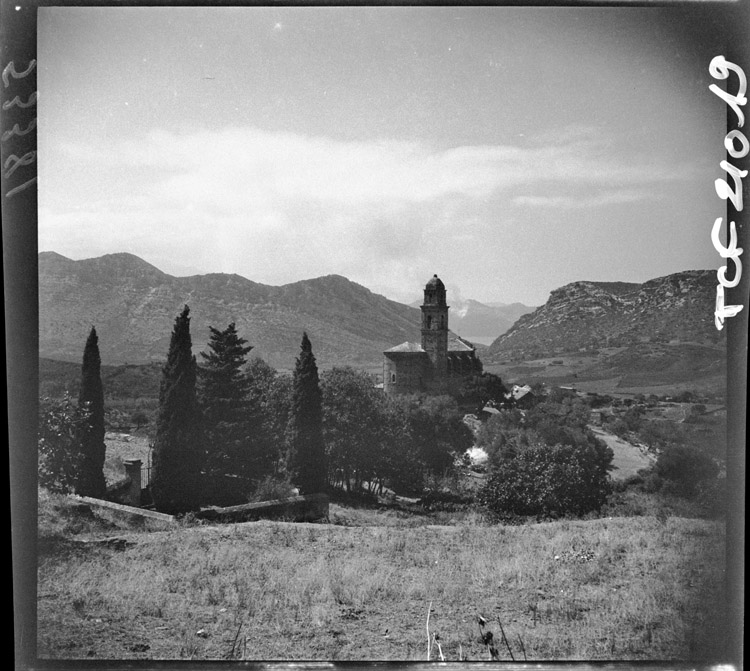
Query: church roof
x,y
406,347
458,344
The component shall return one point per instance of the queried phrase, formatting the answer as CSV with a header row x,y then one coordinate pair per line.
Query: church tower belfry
x,y
435,326
441,364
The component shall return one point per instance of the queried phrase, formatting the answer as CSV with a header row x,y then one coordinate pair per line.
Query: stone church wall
x,y
405,374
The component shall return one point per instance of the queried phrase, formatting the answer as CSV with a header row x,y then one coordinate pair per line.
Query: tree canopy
x,y
231,427
546,463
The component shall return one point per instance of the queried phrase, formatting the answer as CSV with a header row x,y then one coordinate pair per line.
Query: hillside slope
x,y
133,306
594,315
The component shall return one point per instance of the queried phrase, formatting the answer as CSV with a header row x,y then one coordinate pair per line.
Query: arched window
x,y
393,378
429,321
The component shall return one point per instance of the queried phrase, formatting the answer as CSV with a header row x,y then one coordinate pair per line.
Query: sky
x,y
508,150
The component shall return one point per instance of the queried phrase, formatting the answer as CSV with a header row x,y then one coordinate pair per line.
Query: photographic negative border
x,y
722,25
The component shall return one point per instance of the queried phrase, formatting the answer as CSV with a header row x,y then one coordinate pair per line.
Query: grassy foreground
x,y
623,588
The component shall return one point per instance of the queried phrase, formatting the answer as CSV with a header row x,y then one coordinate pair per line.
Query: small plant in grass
x,y
272,488
486,636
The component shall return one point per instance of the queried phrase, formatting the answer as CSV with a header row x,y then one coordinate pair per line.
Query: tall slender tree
x,y
307,458
232,423
175,481
90,480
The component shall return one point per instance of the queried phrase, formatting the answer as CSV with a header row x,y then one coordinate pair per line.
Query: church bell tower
x,y
435,327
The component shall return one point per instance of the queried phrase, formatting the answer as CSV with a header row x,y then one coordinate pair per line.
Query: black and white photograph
x,y
377,332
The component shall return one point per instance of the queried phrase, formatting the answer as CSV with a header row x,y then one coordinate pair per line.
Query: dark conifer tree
x,y
307,458
177,457
232,425
90,481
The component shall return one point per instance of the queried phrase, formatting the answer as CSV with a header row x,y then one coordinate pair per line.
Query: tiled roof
x,y
407,347
455,344
458,344
520,392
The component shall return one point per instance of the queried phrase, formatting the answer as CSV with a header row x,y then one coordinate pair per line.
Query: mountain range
x,y
133,305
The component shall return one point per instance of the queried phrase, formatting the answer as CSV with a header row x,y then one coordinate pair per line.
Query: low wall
x,y
130,514
295,508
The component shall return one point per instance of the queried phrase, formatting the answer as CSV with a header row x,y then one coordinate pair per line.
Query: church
x,y
441,364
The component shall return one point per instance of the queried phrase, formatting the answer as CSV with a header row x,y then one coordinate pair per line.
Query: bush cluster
x,y
545,464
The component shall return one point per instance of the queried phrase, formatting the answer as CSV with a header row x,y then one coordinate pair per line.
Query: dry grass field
x,y
632,588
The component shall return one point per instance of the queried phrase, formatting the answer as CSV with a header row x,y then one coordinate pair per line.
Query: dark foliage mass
x,y
375,441
178,446
353,413
548,481
270,394
547,464
436,437
306,462
686,468
233,427
61,423
483,390
90,480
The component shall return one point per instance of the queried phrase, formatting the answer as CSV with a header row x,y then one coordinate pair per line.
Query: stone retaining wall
x,y
295,508
130,514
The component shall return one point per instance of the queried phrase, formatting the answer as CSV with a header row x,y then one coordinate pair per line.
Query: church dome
x,y
435,283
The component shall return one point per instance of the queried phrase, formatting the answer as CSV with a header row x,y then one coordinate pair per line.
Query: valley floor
x,y
636,588
628,458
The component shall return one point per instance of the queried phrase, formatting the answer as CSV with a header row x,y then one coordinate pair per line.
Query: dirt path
x,y
629,458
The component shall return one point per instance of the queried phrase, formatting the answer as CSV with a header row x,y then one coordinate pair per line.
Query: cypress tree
x,y
90,481
177,459
307,459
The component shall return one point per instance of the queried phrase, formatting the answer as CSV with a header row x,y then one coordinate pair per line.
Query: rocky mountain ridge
x,y
591,315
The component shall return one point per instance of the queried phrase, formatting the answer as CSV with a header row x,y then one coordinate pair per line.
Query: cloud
x,y
584,200
236,167
276,207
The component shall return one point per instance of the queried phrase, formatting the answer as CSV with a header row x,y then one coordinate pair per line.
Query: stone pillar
x,y
133,472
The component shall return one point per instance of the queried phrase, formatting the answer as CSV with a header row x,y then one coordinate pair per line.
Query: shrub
x,y
61,424
139,418
619,428
272,488
686,467
549,481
